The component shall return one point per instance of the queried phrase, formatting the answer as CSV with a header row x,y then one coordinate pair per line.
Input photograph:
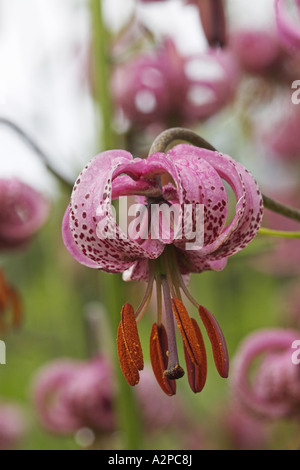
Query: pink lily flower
x,y
164,87
23,213
274,389
288,29
186,175
70,395
150,87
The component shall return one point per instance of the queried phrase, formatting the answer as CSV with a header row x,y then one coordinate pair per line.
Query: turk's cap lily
x,y
23,213
197,177
186,176
164,86
149,88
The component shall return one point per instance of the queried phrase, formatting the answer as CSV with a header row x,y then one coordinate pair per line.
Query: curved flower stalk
x,y
288,29
164,87
274,390
23,211
184,180
10,302
71,395
12,426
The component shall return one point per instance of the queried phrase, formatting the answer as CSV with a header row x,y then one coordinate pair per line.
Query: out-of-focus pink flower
x,y
12,426
257,51
163,87
212,79
23,211
71,395
150,87
289,30
273,390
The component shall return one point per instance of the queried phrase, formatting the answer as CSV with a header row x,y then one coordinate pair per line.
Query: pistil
x,y
174,370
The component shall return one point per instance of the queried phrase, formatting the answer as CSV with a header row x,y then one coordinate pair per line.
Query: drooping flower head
x,y
181,228
23,211
71,395
273,391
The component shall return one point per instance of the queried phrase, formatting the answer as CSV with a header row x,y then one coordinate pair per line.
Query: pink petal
x,y
249,207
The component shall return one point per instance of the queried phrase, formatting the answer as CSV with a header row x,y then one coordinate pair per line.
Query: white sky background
x,y
43,86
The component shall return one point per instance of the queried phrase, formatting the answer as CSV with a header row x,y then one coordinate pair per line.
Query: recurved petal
x,y
159,358
217,340
197,374
202,185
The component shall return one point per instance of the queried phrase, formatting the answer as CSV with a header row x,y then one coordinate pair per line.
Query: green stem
x,y
278,233
42,155
126,406
101,73
172,136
